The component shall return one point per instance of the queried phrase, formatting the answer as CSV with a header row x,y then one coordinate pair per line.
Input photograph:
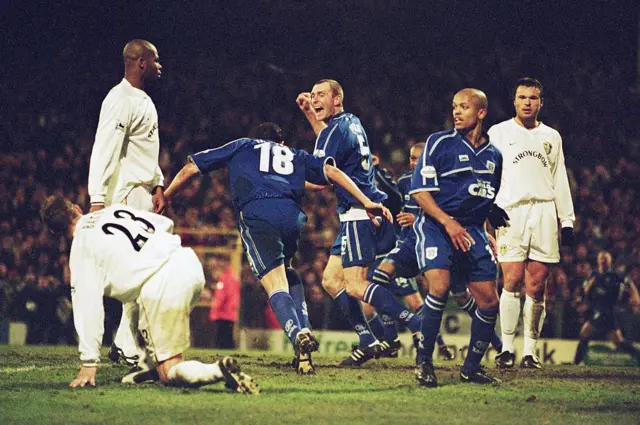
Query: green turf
x,y
33,390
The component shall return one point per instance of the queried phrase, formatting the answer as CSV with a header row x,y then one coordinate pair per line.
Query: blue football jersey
x,y
463,180
410,204
261,169
345,140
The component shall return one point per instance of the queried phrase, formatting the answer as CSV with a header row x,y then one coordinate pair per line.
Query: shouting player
x,y
341,136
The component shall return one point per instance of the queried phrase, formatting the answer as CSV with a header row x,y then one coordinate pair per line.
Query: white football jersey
x,y
126,149
113,253
533,167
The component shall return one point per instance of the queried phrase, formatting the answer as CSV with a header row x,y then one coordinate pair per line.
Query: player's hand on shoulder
x,y
498,217
461,239
86,377
304,101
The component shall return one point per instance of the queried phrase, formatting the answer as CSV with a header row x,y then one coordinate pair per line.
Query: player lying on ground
x,y
132,256
267,182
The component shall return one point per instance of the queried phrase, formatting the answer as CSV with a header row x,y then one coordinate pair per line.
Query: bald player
x,y
455,183
124,161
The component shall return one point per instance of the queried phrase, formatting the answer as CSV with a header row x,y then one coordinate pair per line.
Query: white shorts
x,y
532,233
165,303
139,198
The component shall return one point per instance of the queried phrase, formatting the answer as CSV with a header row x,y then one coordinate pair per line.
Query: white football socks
x,y
192,373
533,316
509,316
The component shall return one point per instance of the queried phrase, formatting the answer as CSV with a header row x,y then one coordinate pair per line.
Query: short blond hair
x,y
57,214
335,86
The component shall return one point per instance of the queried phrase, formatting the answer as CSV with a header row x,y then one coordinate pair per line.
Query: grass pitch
x,y
33,390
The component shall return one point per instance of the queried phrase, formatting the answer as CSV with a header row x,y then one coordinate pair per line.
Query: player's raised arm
x,y
341,179
304,103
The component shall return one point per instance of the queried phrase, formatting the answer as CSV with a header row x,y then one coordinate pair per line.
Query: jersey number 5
x,y
280,157
139,240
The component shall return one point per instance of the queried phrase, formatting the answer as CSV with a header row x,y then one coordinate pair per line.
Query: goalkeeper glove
x,y
498,217
567,236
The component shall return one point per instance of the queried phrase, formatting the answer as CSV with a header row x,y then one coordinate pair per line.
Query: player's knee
x,y
354,289
535,289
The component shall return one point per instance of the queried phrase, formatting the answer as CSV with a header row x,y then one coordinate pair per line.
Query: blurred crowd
x,y
46,138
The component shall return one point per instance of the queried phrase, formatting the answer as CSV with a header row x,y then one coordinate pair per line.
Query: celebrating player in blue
x,y
602,293
455,186
341,136
267,184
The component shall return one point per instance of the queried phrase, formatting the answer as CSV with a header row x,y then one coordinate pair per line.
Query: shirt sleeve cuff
x,y
566,223
97,199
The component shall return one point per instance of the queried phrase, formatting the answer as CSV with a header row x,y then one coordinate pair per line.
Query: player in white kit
x,y
535,194
124,161
132,256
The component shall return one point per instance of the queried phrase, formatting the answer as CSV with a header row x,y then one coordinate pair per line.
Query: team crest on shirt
x,y
428,172
503,250
491,166
366,164
120,126
547,147
463,158
431,252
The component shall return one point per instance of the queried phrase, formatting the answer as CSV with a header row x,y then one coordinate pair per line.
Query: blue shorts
x,y
270,229
403,257
435,250
361,242
401,286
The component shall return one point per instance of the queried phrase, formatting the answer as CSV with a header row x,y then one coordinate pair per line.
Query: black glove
x,y
567,236
498,217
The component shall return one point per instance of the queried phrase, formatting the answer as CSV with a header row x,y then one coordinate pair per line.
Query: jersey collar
x,y
479,149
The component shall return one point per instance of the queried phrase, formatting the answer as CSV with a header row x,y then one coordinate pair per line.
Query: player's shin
x,y
431,319
384,301
376,325
470,307
482,327
352,309
509,315
533,314
390,329
285,312
296,290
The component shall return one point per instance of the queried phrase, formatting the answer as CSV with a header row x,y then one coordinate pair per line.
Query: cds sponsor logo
x,y
482,189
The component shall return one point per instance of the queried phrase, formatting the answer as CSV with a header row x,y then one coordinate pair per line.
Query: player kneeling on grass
x,y
132,256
